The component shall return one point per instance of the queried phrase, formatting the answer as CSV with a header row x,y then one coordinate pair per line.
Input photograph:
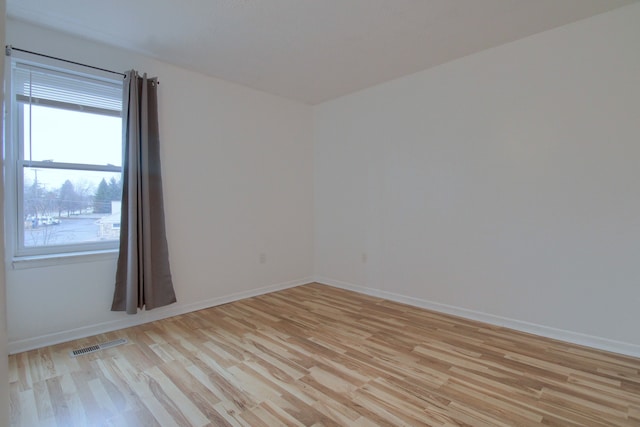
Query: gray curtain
x,y
143,277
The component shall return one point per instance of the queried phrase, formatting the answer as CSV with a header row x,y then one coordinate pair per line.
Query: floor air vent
x,y
94,348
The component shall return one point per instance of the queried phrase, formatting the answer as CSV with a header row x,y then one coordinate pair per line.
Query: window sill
x,y
37,261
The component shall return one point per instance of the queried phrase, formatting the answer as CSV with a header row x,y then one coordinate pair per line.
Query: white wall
x,y
237,174
503,186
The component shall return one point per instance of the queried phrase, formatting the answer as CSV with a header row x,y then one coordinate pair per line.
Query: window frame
x,y
15,164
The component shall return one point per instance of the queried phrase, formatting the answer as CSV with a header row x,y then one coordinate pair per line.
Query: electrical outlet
x,y
263,258
364,257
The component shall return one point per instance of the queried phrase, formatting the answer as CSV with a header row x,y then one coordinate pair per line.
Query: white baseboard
x,y
174,310
599,343
144,317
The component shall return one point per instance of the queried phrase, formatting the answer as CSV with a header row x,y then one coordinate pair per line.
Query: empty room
x,y
320,213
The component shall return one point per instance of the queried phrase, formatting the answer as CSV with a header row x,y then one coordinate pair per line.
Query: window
x,y
64,160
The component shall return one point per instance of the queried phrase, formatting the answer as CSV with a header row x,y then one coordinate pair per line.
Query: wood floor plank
x,y
315,355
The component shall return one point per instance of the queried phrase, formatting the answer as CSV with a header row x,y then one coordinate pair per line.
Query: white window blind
x,y
35,85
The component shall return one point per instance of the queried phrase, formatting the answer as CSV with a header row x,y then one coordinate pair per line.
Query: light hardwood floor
x,y
316,355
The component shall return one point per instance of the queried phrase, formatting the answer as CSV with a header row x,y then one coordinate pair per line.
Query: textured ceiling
x,y
308,50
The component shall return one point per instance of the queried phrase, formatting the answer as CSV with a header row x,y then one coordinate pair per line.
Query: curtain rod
x,y
9,48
